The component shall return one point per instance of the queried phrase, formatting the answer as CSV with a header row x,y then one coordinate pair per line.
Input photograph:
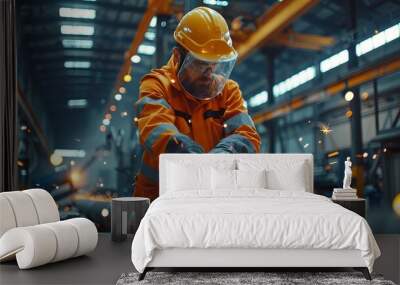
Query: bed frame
x,y
246,259
249,258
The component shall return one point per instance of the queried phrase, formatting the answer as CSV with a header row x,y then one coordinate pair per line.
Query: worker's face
x,y
202,79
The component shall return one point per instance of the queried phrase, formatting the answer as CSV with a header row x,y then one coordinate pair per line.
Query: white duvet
x,y
250,219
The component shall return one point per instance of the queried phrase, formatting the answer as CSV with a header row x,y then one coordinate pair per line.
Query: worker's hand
x,y
190,146
183,144
222,149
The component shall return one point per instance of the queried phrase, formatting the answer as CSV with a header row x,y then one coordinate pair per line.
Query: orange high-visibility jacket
x,y
168,115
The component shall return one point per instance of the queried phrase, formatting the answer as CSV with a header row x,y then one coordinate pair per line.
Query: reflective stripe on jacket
x,y
166,114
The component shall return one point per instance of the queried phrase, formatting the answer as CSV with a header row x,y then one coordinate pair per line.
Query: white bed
x,y
248,227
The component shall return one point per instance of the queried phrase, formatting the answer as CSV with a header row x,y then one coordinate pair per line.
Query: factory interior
x,y
317,76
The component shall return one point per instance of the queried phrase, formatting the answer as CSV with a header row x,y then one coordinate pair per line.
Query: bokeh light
x,y
56,159
118,97
349,96
396,204
127,78
77,178
122,90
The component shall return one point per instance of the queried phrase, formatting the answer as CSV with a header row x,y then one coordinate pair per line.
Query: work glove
x,y
231,144
222,149
183,144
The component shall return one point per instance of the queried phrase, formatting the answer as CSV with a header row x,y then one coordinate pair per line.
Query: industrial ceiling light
x,y
294,81
146,49
136,58
77,103
77,13
77,43
153,22
77,30
334,60
106,122
258,99
348,96
77,64
222,3
150,36
377,40
70,153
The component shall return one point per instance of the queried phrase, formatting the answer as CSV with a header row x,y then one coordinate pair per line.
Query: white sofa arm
x,y
40,244
26,208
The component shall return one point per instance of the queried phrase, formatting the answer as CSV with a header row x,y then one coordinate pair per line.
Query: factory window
x,y
77,64
334,61
77,43
77,30
378,40
146,49
77,103
258,99
77,13
153,22
294,81
150,35
216,2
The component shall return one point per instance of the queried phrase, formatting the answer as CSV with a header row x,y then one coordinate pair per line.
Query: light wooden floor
x,y
110,260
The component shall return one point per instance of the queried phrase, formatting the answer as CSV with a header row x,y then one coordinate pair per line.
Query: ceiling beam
x,y
153,7
292,39
384,67
273,22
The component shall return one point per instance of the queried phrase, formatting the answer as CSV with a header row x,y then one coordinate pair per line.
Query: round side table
x,y
126,214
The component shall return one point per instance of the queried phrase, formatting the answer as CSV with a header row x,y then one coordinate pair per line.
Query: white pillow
x,y
182,177
223,179
251,178
294,180
282,174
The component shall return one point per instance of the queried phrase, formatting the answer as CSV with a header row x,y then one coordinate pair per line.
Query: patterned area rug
x,y
229,278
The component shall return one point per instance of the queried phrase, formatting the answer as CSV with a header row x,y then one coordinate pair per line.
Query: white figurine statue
x,y
347,174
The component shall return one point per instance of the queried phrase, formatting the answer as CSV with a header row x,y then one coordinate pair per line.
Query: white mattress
x,y
250,219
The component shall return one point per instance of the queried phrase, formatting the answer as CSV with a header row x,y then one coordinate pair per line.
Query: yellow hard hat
x,y
205,33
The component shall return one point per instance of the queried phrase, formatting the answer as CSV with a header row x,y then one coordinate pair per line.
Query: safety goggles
x,y
203,79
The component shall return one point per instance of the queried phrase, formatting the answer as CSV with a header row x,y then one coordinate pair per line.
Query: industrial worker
x,y
190,105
